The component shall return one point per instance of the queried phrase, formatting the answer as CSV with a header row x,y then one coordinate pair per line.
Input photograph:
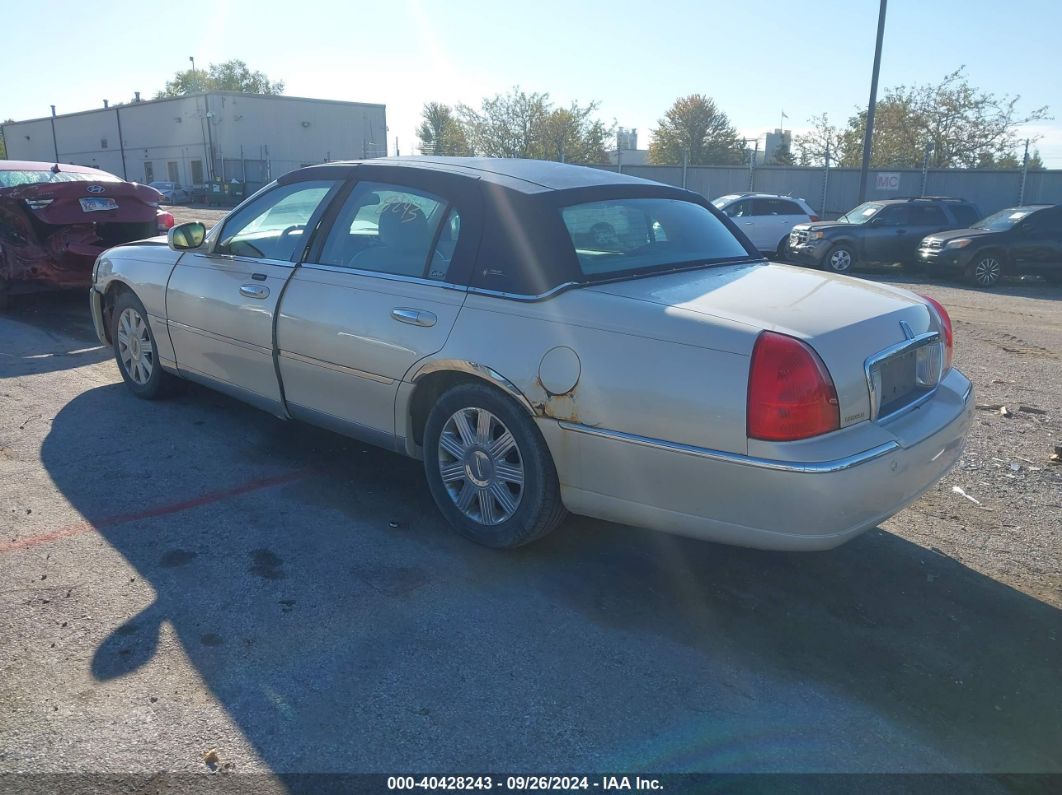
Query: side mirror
x,y
186,236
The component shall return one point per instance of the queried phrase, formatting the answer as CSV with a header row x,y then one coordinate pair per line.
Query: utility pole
x,y
825,181
55,141
1024,173
121,141
925,168
868,135
752,164
195,79
685,165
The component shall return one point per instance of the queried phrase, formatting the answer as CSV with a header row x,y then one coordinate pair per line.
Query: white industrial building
x,y
195,139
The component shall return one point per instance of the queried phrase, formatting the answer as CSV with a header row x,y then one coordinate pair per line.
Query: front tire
x,y
135,350
782,250
986,270
489,470
840,259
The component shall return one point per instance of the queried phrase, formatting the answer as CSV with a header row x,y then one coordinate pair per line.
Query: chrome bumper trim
x,y
805,467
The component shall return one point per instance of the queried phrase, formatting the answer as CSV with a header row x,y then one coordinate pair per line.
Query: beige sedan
x,y
551,338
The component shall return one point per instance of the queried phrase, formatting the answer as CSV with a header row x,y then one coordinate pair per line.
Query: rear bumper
x,y
763,503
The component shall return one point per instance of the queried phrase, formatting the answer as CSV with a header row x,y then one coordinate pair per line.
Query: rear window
x,y
12,179
626,235
965,214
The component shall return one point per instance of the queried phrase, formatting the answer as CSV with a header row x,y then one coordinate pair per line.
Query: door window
x,y
393,229
197,172
742,209
897,215
928,215
274,226
149,172
171,172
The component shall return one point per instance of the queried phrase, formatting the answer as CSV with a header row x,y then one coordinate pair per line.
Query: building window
x,y
197,172
103,143
171,171
149,172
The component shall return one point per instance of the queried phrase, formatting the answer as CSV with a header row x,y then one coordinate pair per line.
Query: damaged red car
x,y
56,219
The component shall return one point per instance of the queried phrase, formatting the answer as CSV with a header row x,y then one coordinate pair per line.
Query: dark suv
x,y
879,231
1016,240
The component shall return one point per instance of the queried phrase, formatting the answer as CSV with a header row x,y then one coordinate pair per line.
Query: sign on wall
x,y
887,181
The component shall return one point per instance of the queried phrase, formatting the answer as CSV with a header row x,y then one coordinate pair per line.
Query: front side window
x,y
619,236
274,225
393,229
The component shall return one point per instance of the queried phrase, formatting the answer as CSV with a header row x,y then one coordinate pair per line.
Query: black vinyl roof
x,y
526,176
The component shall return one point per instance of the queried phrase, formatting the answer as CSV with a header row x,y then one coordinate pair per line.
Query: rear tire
x,y
489,470
986,270
839,259
135,350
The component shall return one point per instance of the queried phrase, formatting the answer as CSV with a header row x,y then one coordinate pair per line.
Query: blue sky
x,y
755,58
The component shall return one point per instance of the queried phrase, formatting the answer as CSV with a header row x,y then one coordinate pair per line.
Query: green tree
x,y
960,125
232,75
506,125
521,124
440,132
812,146
1035,163
694,124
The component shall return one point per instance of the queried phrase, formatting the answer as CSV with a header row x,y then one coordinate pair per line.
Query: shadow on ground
x,y
338,642
48,332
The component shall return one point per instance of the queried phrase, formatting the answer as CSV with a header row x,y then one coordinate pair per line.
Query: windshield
x,y
1003,220
162,185
629,235
12,179
861,214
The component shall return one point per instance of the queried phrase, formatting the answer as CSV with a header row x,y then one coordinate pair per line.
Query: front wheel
x,y
782,250
986,270
840,260
489,470
135,350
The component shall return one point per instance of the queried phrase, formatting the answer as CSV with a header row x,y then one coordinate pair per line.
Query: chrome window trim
x,y
526,298
893,350
391,277
803,467
240,258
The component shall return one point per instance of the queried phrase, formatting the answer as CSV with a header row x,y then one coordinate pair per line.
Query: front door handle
x,y
254,290
415,317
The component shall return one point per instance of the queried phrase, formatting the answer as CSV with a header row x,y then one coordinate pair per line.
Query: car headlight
x,y
960,242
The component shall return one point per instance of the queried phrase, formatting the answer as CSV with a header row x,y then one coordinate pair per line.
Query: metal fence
x,y
835,191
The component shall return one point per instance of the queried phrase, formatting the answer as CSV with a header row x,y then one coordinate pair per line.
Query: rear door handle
x,y
254,290
415,317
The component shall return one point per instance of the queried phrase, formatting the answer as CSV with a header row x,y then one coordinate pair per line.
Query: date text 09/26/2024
x,y
524,783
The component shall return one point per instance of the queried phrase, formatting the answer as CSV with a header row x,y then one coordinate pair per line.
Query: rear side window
x,y
776,207
628,235
928,215
965,214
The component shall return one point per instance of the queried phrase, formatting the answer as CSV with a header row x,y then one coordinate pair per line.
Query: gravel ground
x,y
192,574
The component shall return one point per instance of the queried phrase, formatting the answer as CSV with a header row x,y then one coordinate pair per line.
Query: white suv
x,y
765,218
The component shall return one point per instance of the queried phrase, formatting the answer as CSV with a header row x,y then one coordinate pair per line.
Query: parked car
x,y
172,192
885,231
56,219
1013,241
766,219
549,337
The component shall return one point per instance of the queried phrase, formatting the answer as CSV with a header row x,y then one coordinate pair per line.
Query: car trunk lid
x,y
64,203
847,321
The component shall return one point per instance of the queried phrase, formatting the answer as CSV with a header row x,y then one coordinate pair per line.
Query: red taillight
x,y
165,220
814,218
791,394
945,328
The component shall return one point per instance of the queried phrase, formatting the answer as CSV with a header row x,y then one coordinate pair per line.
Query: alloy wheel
x,y
987,271
840,260
481,466
134,346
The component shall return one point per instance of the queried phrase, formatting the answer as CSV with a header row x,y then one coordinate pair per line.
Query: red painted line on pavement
x,y
150,513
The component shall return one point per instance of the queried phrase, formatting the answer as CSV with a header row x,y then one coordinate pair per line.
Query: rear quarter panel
x,y
639,372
